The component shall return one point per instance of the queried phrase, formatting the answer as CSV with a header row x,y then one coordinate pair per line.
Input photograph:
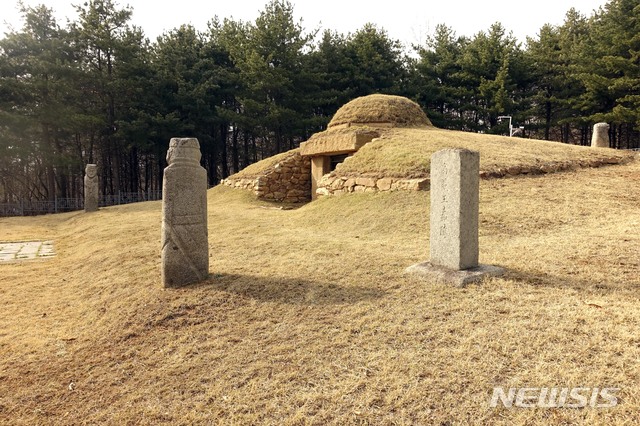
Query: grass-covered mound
x,y
380,109
406,153
404,148
307,318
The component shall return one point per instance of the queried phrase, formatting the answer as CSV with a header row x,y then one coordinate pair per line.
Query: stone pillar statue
x,y
600,137
185,245
91,191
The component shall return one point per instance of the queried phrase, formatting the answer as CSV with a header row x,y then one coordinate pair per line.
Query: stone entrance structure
x,y
328,149
354,125
303,173
455,185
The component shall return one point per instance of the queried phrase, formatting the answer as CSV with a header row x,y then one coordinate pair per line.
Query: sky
x,y
409,21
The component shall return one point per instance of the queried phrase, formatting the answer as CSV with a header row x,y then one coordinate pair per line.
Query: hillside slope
x,y
406,153
308,319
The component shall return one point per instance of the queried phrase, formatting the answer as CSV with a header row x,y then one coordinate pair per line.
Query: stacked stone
x,y
247,184
332,184
289,181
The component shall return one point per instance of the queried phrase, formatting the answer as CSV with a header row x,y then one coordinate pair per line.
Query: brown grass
x,y
406,153
307,318
396,110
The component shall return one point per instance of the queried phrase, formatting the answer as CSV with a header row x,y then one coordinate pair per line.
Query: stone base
x,y
449,276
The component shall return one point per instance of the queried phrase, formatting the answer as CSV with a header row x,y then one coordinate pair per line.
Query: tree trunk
x,y
223,154
612,136
48,164
234,149
255,150
547,120
245,152
212,170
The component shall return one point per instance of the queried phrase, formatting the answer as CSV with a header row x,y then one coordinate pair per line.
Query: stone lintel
x,y
457,278
336,143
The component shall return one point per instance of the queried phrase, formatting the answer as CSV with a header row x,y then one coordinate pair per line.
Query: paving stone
x,y
27,250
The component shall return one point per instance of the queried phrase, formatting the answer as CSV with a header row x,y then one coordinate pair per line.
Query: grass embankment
x,y
257,169
307,318
406,153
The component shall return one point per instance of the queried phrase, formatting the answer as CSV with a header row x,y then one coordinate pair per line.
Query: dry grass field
x,y
307,318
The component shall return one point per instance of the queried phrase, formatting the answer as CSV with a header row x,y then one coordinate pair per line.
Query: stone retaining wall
x,y
289,181
554,167
332,184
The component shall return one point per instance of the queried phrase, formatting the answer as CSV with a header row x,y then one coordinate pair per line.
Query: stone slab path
x,y
26,250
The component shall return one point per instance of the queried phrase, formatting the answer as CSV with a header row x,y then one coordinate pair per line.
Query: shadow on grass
x,y
287,290
541,279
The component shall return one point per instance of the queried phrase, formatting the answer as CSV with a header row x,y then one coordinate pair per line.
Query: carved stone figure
x,y
91,191
185,246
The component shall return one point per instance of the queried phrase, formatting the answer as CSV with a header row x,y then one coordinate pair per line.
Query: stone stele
x,y
455,185
185,245
91,191
600,136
